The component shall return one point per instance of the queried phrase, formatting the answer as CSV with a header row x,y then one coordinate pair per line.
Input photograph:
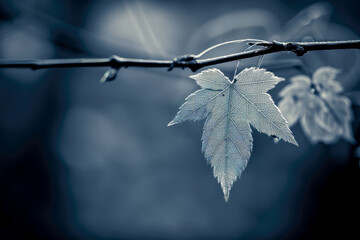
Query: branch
x,y
188,61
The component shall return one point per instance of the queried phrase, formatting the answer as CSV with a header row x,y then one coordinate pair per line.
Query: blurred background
x,y
84,160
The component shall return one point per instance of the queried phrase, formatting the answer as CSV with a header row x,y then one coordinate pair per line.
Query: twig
x,y
253,42
187,61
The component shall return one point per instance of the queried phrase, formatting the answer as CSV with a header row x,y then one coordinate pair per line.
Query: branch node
x,y
116,61
194,66
296,48
280,46
184,61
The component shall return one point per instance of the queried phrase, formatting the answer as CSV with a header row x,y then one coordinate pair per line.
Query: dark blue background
x,y
84,160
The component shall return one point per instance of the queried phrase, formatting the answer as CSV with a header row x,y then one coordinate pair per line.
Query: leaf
x,y
312,122
324,80
299,86
340,108
291,109
291,105
323,113
230,107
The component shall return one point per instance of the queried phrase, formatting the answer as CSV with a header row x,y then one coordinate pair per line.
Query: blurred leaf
x,y
324,79
339,116
291,109
230,108
311,122
324,114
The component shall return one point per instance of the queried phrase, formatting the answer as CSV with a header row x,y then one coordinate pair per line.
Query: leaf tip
x,y
226,196
171,123
293,141
226,191
280,79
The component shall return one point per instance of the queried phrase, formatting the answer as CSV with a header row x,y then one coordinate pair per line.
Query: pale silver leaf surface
x,y
230,107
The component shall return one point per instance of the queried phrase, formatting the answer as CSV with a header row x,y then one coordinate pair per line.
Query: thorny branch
x,y
193,62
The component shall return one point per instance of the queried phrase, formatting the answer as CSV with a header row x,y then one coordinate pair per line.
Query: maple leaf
x,y
230,108
323,113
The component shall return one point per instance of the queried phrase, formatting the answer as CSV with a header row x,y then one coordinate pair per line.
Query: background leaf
x,y
324,114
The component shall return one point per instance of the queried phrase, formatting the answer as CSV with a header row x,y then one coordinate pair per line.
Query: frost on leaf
x,y
324,114
230,107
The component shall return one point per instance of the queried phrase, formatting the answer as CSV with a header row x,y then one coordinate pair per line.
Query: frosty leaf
x,y
211,79
195,106
257,106
324,115
230,108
